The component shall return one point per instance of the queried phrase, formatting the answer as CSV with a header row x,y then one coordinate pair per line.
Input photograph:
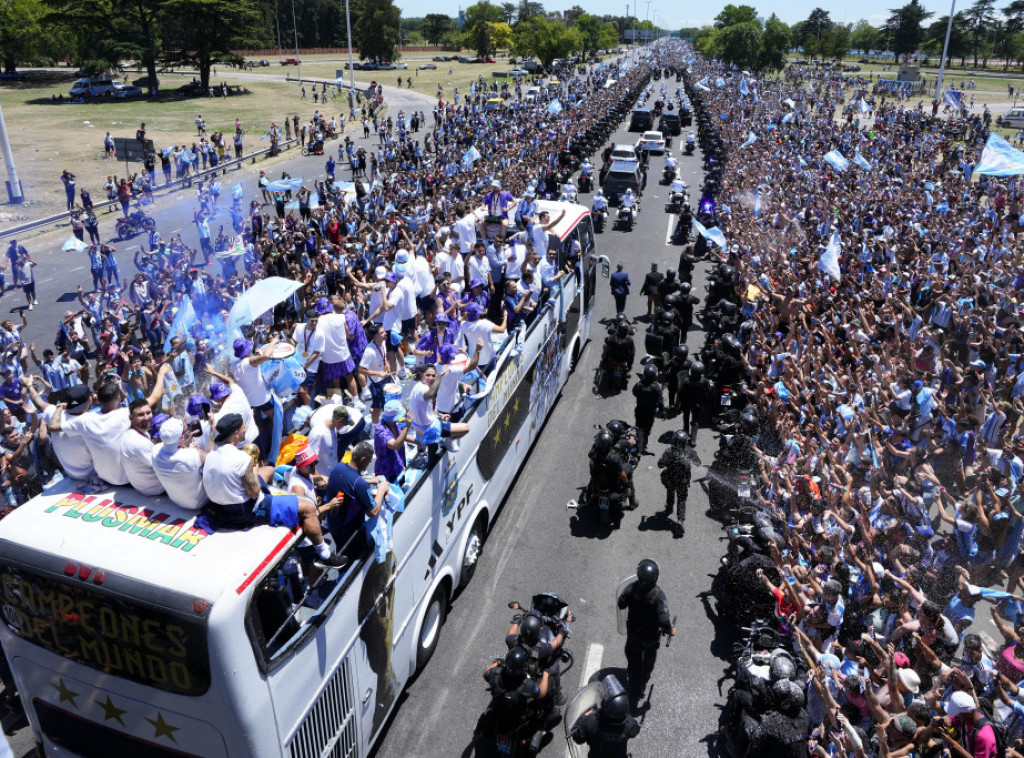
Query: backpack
x,y
998,728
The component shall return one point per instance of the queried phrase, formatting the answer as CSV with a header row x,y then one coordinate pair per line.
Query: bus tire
x,y
430,629
474,549
575,356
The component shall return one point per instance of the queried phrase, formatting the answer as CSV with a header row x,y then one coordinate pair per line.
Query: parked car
x,y
518,72
641,120
494,104
1013,118
262,62
90,87
192,89
425,66
532,93
401,66
290,62
125,91
441,58
146,82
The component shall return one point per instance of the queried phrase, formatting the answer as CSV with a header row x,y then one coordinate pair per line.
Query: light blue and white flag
x,y
787,118
864,107
757,204
744,89
719,81
713,234
470,157
829,261
554,107
836,159
751,139
861,161
183,322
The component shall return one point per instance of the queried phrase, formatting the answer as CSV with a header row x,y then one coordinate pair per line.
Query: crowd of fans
x,y
891,398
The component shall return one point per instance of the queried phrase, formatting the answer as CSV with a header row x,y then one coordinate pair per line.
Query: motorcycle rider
x,y
631,204
607,469
685,224
690,143
525,632
569,191
677,190
646,620
587,170
606,728
670,166
676,464
512,690
782,731
648,399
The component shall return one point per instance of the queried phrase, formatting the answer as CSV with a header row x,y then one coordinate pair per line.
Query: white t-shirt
x,y
448,392
222,474
373,360
540,240
479,268
406,304
297,480
390,319
419,270
180,471
335,335
251,381
237,402
324,443
420,410
308,342
71,450
452,264
102,433
137,454
465,227
514,256
481,329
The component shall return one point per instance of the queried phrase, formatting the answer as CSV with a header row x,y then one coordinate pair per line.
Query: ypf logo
x,y
451,493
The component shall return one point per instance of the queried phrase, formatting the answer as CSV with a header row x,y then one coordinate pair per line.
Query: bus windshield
x,y
139,642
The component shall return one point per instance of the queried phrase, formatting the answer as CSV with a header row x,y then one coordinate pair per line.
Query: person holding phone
x,y
178,463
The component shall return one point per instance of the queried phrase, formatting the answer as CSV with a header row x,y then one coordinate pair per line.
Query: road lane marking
x,y
668,232
591,665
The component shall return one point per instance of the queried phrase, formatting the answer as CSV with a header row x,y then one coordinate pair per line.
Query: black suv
x,y
641,120
669,126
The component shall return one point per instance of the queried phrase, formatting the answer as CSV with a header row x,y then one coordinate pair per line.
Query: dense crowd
x,y
882,342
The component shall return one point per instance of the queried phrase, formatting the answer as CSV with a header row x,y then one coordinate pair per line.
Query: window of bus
x,y
149,643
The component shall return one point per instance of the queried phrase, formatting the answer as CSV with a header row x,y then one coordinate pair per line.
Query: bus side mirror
x,y
606,268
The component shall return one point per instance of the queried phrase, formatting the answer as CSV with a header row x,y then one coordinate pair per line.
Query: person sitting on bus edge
x,y
137,450
389,442
550,272
71,451
361,500
432,428
517,305
178,463
330,438
102,431
238,499
303,481
476,329
247,374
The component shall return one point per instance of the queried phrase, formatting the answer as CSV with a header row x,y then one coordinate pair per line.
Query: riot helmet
x,y
647,572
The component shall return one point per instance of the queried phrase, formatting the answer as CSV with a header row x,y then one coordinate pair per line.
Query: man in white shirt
x,y
178,464
464,230
450,262
457,365
406,306
475,330
137,450
418,269
323,438
541,228
430,427
249,377
309,346
70,449
337,364
102,431
227,397
529,287
374,367
237,501
478,266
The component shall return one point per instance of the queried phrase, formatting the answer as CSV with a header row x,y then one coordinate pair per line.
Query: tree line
x,y
982,33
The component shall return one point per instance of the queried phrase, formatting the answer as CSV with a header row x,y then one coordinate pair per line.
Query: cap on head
x,y
219,391
227,426
393,411
242,347
305,457
171,431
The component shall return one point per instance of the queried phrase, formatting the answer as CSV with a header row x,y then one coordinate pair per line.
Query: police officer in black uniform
x,y
512,690
782,731
676,464
619,347
646,620
668,285
667,329
675,375
686,262
684,309
525,632
648,399
607,469
693,397
606,728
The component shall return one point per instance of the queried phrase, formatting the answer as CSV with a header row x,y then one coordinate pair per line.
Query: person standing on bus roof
x,y
70,449
238,499
363,497
102,431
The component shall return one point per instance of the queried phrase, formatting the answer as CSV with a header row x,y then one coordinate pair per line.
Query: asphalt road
x,y
537,545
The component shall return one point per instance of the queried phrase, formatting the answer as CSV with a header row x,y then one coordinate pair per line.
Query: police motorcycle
x,y
587,176
690,144
569,192
671,169
678,194
521,728
597,720
628,209
732,475
599,210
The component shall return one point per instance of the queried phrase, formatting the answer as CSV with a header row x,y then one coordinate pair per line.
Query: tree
x,y
959,40
509,11
707,41
836,42
735,14
775,43
980,17
435,26
815,32
21,34
589,28
865,37
529,10
377,26
547,40
740,44
904,28
573,15
202,33
608,37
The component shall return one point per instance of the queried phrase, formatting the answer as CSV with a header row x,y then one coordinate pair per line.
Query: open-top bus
x,y
131,633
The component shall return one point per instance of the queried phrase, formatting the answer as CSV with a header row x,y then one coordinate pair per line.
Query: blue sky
x,y
675,15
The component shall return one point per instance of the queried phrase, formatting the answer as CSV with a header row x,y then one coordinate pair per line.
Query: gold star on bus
x,y
66,694
111,711
508,418
497,435
162,729
515,406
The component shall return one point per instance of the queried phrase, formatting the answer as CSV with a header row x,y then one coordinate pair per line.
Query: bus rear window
x,y
145,644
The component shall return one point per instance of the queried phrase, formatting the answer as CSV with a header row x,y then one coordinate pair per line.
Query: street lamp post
x,y
945,51
295,29
13,184
351,63
648,11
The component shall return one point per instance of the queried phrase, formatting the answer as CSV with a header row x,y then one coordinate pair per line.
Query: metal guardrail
x,y
186,181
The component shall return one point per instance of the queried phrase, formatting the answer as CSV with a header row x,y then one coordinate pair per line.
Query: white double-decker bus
x,y
131,633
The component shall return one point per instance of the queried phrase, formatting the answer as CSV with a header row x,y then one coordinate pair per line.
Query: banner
x,y
829,261
1000,158
836,159
714,234
183,322
861,161
751,139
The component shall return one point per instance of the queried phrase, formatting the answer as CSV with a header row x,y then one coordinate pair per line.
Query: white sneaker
x,y
30,306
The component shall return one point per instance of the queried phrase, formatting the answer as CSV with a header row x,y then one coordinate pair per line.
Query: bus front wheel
x,y
430,631
474,549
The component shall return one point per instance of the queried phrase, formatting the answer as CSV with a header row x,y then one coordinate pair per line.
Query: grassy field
x,y
48,137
